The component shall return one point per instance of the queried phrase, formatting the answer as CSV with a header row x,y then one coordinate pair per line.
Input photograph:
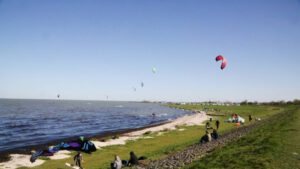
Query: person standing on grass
x,y
217,124
78,160
250,118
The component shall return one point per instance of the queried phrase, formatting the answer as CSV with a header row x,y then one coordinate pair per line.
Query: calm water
x,y
33,122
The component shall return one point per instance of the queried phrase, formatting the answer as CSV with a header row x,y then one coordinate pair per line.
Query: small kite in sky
x,y
154,70
223,59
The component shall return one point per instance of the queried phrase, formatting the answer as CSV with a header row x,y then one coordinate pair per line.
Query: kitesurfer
x,y
153,114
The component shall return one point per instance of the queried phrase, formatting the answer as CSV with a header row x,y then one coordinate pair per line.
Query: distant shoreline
x,y
104,100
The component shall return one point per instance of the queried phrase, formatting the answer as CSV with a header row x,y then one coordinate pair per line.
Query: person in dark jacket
x,y
217,124
78,159
214,134
206,138
133,160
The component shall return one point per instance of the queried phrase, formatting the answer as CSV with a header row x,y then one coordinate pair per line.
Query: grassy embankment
x,y
161,146
274,145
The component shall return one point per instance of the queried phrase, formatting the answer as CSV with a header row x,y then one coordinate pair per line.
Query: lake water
x,y
34,122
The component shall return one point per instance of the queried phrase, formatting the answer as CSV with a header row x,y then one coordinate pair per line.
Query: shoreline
x,y
4,155
13,159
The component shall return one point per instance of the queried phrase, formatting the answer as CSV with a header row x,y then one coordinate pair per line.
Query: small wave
x,y
162,115
19,125
119,106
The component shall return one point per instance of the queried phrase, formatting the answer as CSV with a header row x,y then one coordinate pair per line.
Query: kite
x,y
154,70
81,144
223,59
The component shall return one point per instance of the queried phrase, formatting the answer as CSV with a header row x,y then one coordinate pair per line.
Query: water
x,y
34,122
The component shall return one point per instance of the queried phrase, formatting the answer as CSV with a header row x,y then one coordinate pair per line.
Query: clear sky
x,y
93,49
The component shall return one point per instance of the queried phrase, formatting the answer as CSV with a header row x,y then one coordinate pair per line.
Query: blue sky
x,y
93,49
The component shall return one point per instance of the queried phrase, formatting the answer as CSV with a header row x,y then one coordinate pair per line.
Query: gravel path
x,y
197,151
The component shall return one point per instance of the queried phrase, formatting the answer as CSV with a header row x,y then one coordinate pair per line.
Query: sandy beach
x,y
22,160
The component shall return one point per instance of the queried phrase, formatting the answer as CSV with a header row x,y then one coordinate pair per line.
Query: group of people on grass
x,y
133,160
116,164
210,136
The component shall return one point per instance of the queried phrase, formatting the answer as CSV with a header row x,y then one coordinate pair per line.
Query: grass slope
x,y
274,145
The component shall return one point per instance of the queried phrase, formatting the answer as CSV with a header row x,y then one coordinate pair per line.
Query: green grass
x,y
161,146
269,146
243,110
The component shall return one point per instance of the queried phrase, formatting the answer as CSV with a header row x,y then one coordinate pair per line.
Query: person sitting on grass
x,y
206,138
208,126
117,164
133,160
214,134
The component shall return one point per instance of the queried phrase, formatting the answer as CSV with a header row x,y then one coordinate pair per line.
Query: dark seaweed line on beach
x,y
197,151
